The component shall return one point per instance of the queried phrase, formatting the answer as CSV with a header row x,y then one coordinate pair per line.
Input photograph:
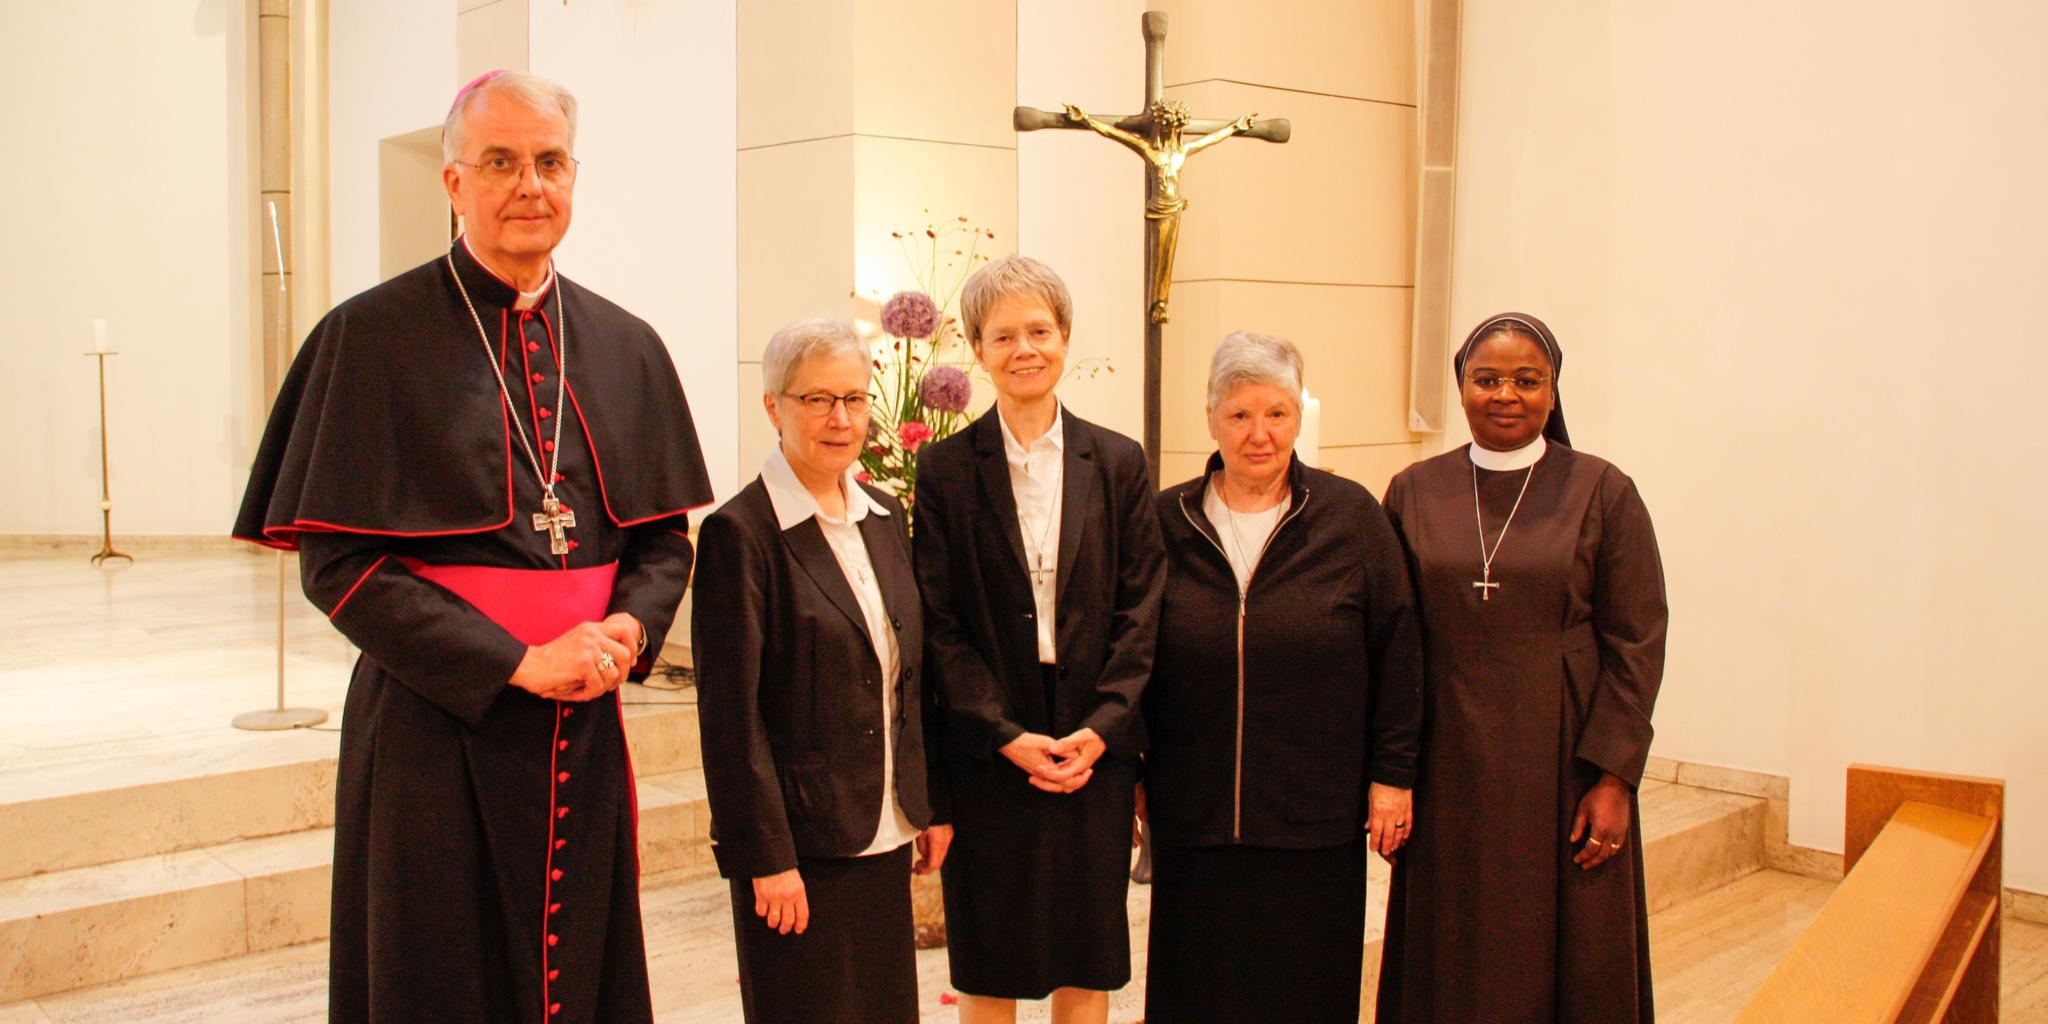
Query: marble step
x,y
220,788
68,929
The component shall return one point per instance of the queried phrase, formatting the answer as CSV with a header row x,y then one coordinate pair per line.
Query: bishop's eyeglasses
x,y
553,169
1526,383
818,404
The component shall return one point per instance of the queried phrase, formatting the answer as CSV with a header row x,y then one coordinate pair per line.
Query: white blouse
x,y
1037,480
1243,534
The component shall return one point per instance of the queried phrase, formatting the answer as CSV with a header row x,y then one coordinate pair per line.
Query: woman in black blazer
x,y
807,633
1042,569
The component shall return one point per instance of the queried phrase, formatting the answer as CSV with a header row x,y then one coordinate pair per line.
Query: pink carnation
x,y
910,315
913,434
864,477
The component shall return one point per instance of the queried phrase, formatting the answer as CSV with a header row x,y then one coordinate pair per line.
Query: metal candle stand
x,y
106,491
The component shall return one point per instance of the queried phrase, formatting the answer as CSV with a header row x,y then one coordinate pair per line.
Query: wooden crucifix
x,y
1165,134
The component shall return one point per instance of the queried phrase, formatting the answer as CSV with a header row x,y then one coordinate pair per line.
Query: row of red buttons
x,y
555,874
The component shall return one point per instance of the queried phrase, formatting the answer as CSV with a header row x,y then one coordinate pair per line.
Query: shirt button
x,y
554,1009
547,446
552,939
555,875
544,413
559,478
533,346
559,843
561,812
556,973
574,544
537,378
566,712
562,745
554,908
564,777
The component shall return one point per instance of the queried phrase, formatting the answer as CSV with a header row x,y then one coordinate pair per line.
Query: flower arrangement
x,y
923,381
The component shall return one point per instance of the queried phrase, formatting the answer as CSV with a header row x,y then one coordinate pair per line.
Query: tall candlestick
x,y
106,489
99,335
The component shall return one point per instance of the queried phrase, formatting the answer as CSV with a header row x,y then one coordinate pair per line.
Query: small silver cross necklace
x,y
1485,584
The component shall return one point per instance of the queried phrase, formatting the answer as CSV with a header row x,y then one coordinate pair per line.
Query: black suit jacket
x,y
981,630
788,698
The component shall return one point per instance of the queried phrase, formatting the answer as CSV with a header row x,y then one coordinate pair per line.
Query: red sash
x,y
534,605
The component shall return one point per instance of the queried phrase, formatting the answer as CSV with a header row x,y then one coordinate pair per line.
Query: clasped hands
x,y
1056,766
571,667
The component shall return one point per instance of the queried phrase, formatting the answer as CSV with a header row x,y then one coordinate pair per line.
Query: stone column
x,y
858,118
1314,240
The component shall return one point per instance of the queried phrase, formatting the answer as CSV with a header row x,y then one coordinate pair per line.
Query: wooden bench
x,y
1912,934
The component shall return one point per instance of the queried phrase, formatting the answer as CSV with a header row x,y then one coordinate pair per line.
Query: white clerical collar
x,y
526,300
1521,458
793,501
1055,435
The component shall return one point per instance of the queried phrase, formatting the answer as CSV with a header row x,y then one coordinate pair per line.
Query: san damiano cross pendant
x,y
1486,587
554,520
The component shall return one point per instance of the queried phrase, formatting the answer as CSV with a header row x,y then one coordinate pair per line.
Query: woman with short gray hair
x,y
808,636
1285,712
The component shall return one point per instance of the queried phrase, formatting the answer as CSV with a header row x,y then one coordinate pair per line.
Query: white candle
x,y
1308,444
99,335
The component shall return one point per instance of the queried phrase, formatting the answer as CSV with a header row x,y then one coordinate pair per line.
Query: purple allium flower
x,y
910,315
946,389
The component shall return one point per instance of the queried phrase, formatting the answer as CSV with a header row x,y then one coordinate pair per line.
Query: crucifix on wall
x,y
1165,135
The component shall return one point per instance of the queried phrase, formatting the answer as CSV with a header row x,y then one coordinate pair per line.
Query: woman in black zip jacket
x,y
1285,713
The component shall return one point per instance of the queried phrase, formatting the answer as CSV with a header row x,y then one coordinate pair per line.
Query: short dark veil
x,y
1523,323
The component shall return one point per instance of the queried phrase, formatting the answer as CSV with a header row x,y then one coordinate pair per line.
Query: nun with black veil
x,y
1519,897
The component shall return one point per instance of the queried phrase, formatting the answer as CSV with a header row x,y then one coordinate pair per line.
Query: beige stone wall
x,y
856,117
1313,240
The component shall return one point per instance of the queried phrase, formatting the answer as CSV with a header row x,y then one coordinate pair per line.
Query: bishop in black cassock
x,y
486,866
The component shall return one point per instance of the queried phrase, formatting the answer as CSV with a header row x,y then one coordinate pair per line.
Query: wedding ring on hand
x,y
1616,845
606,662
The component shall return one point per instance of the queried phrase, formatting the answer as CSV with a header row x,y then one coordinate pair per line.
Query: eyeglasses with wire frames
x,y
818,404
1525,383
500,171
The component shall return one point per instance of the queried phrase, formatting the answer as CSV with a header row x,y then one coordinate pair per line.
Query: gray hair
x,y
804,340
1013,275
530,89
1246,358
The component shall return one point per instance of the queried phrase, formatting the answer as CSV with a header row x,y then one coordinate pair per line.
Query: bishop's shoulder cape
x,y
391,420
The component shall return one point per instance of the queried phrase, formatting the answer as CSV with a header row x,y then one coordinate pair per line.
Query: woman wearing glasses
x,y
1542,601
1042,569
807,632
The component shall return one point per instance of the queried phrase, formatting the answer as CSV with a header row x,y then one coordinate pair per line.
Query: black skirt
x,y
854,962
1245,933
1035,881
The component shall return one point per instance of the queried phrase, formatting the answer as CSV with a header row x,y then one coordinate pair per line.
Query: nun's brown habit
x,y
1533,694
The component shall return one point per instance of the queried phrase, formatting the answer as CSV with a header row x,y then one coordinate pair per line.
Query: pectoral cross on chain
x,y
1042,574
554,519
1486,587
